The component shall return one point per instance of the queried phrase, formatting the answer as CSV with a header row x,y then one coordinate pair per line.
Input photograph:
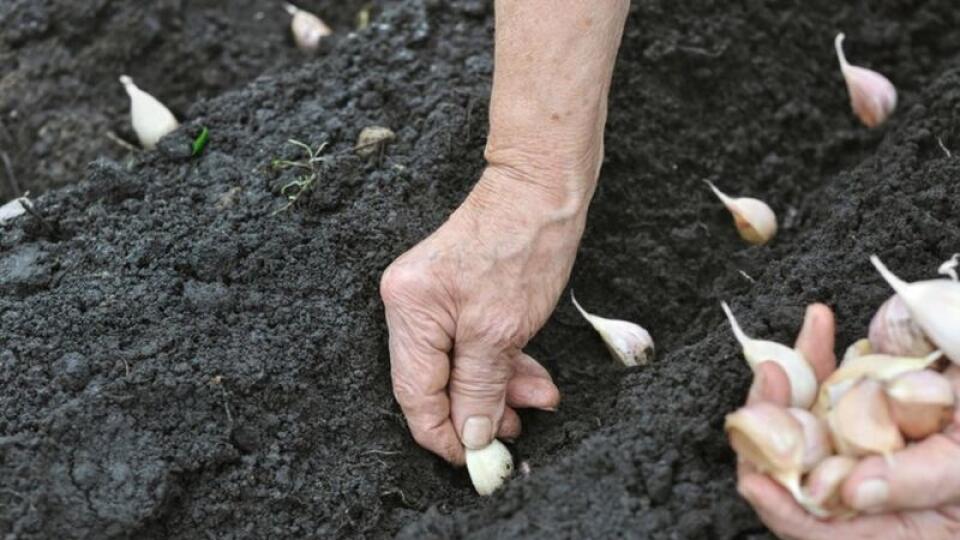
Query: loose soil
x,y
180,357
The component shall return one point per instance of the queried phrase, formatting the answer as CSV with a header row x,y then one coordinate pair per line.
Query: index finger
x,y
817,339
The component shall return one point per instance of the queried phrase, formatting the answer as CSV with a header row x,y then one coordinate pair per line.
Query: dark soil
x,y
178,359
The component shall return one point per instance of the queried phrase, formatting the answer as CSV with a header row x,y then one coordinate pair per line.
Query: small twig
x,y
944,147
8,167
116,138
744,274
382,452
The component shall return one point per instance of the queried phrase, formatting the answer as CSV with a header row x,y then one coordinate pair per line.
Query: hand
x,y
915,498
462,304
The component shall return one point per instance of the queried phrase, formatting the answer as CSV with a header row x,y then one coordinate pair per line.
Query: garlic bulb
x,y
823,485
151,119
628,342
755,221
307,28
892,331
877,367
949,268
770,439
872,96
860,348
816,438
861,423
489,467
921,403
803,382
934,305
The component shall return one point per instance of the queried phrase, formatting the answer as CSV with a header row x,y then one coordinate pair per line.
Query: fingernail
x,y
548,409
871,495
477,432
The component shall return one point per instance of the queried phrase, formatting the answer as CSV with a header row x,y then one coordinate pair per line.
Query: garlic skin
x,y
861,423
307,28
816,438
823,485
770,439
755,220
892,331
876,367
628,342
489,467
872,96
860,348
921,403
949,268
803,381
934,305
151,119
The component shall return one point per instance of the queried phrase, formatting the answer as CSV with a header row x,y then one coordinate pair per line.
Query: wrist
x,y
534,193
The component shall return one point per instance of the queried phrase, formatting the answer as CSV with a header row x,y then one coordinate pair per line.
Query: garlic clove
x,y
934,305
628,342
877,367
860,348
892,331
307,28
823,486
861,423
872,96
816,438
372,139
770,439
949,268
489,467
921,403
151,119
755,220
13,209
803,381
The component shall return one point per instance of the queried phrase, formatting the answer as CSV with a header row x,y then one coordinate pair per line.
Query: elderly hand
x,y
916,496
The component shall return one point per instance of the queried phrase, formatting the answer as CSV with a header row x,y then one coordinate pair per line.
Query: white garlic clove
x,y
921,403
892,331
861,423
307,28
872,96
816,438
803,381
755,220
628,342
13,209
771,439
877,367
860,348
151,119
934,305
489,467
823,486
372,139
949,268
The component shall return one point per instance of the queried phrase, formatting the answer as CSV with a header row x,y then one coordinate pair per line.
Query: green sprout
x,y
200,142
303,183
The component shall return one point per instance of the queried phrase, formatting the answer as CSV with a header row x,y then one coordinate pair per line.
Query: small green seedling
x,y
200,142
295,189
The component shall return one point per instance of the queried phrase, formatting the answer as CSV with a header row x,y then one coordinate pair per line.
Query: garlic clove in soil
x,y
861,423
803,381
307,28
892,331
771,439
822,487
628,342
13,209
489,467
872,96
816,438
921,403
934,305
372,139
949,268
755,220
151,119
860,348
877,367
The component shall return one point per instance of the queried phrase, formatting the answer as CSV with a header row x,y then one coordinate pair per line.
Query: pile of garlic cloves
x,y
887,393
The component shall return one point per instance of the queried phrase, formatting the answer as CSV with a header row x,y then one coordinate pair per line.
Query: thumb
x,y
478,390
924,475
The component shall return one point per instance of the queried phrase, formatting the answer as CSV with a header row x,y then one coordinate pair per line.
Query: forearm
x,y
553,65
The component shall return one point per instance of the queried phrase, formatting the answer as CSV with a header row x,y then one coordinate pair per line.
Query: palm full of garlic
x,y
886,394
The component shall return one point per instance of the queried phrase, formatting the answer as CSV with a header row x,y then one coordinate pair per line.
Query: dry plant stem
x,y
11,178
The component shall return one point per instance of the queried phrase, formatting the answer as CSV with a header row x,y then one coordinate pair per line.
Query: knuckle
x,y
399,282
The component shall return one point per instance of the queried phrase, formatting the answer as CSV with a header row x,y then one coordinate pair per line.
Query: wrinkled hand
x,y
462,304
915,497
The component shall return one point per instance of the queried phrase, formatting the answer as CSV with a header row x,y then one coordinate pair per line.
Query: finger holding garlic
x,y
755,220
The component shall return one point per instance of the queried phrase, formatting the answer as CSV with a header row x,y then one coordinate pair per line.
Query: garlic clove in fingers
x,y
755,220
489,467
934,306
860,348
921,403
307,28
823,485
877,367
770,439
151,119
803,381
872,96
861,423
892,331
816,438
628,342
